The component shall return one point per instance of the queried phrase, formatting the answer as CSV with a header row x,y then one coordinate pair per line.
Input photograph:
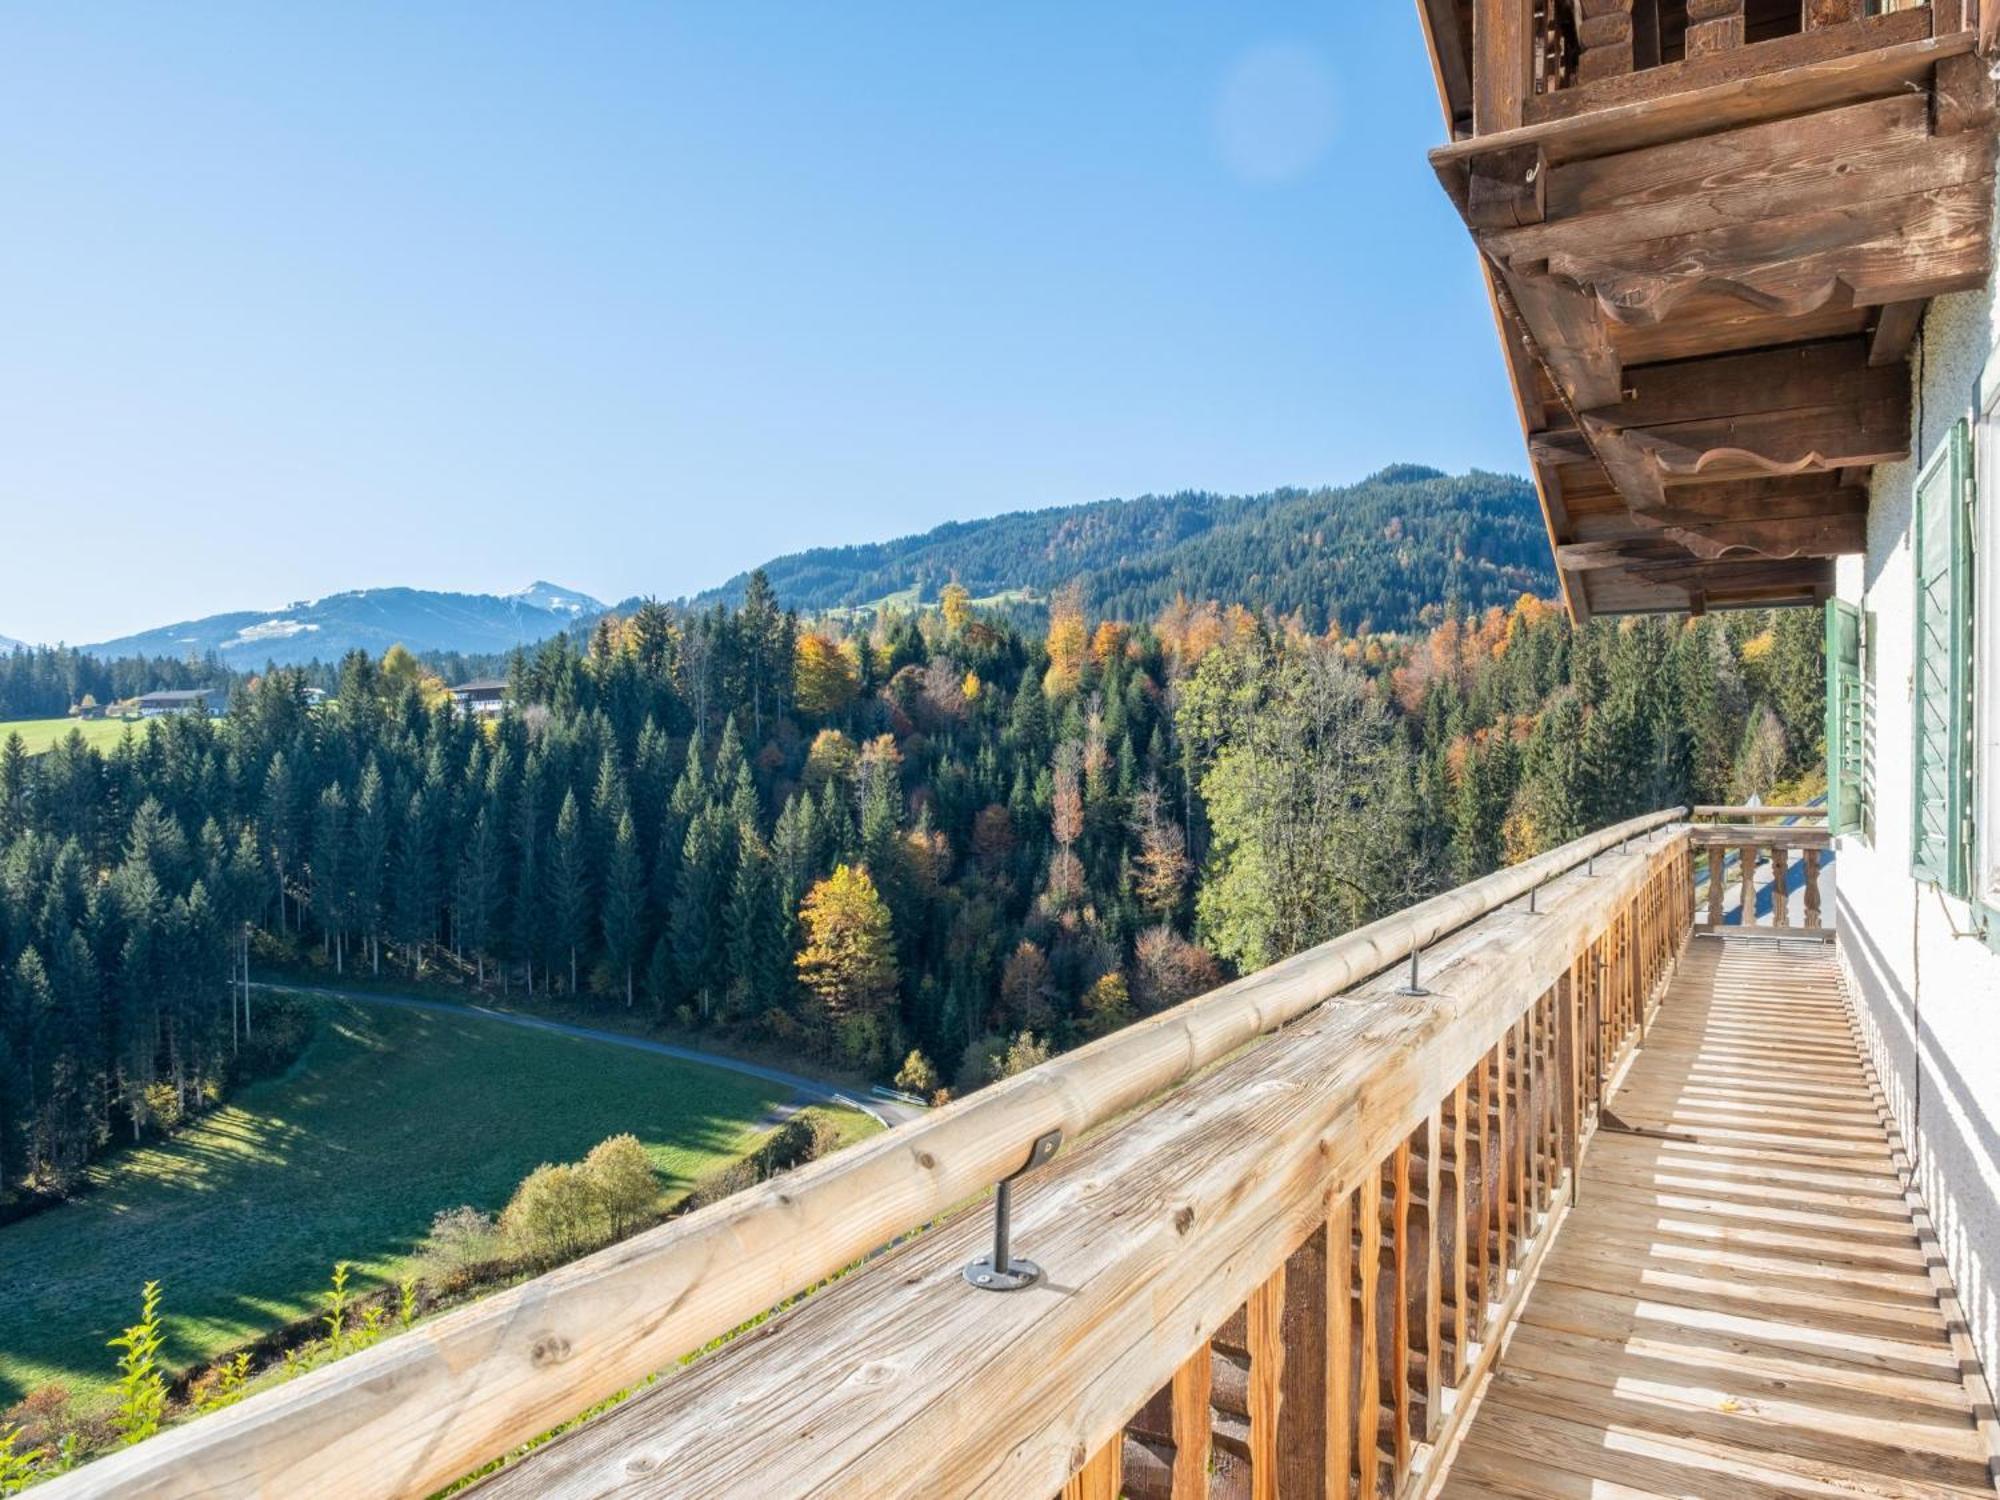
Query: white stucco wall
x,y
1929,985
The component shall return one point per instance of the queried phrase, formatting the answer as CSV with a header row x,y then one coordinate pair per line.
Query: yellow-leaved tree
x,y
849,959
1068,642
956,602
823,678
400,666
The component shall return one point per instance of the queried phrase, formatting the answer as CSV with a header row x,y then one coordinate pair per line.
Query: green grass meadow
x,y
43,734
388,1117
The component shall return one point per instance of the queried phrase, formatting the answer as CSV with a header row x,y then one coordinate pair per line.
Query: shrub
x,y
917,1076
283,1026
337,1300
460,1239
1107,1005
142,1387
222,1386
806,1136
981,1062
625,1181
1024,1052
17,1470
556,1213
1168,969
43,1415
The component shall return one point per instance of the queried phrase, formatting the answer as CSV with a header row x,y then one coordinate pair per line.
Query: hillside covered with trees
x,y
935,847
1374,555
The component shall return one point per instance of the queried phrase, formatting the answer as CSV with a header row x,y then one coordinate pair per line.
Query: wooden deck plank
x,y
1739,1306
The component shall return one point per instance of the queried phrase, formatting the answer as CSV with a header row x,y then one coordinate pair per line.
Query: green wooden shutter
x,y
1941,756
1844,725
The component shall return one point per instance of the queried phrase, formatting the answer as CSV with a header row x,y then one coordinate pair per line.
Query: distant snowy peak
x,y
541,594
371,620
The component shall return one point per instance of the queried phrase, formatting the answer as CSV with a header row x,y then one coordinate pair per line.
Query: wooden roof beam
x,y
1811,408
1451,61
1895,330
1835,372
1732,500
1737,541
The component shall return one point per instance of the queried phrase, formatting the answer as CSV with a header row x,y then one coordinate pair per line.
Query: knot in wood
x,y
926,1160
550,1349
641,1463
874,1372
1183,1219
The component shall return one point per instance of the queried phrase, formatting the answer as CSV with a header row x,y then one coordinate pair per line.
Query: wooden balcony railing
x,y
1540,60
1288,1272
1733,843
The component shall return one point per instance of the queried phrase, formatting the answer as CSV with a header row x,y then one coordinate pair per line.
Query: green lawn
x,y
388,1117
42,734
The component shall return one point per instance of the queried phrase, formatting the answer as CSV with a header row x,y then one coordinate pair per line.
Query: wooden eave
x,y
1707,276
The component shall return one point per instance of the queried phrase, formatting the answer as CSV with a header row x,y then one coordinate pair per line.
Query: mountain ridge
x,y
1386,553
1380,552
373,619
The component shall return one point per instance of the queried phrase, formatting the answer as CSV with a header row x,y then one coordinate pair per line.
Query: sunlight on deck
x,y
1739,1305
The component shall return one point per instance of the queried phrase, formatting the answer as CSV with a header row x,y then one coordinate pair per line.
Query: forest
x,y
44,682
938,847
1376,555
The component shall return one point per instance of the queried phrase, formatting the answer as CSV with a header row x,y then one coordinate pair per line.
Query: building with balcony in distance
x,y
482,698
184,701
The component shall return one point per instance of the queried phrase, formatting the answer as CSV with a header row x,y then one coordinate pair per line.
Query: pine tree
x,y
416,882
527,911
751,939
624,902
331,870
13,788
569,886
477,893
695,920
370,859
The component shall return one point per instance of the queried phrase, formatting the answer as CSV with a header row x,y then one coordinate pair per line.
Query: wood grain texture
x,y
1101,1478
1191,1426
1154,1233
1680,1339
1266,1339
1340,1349
1764,194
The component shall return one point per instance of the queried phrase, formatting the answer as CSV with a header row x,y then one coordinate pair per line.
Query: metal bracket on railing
x,y
1000,1271
1416,984
1590,866
1533,891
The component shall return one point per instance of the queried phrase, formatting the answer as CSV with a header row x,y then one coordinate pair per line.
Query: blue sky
x,y
299,299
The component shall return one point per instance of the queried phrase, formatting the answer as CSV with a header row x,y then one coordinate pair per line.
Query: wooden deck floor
x,y
1747,1312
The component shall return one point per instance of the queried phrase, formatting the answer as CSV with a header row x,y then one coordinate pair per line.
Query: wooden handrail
x,y
1764,835
419,1410
1369,1194
1750,843
1740,814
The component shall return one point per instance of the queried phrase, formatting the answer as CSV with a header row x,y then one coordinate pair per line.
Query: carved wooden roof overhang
x,y
1708,272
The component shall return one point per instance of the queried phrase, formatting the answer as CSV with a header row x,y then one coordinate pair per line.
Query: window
x,y
1986,652
1941,757
1846,723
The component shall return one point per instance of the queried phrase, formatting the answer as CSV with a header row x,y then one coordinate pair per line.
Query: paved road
x,y
808,1090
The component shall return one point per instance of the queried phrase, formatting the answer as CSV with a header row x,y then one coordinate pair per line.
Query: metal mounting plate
x,y
1019,1274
